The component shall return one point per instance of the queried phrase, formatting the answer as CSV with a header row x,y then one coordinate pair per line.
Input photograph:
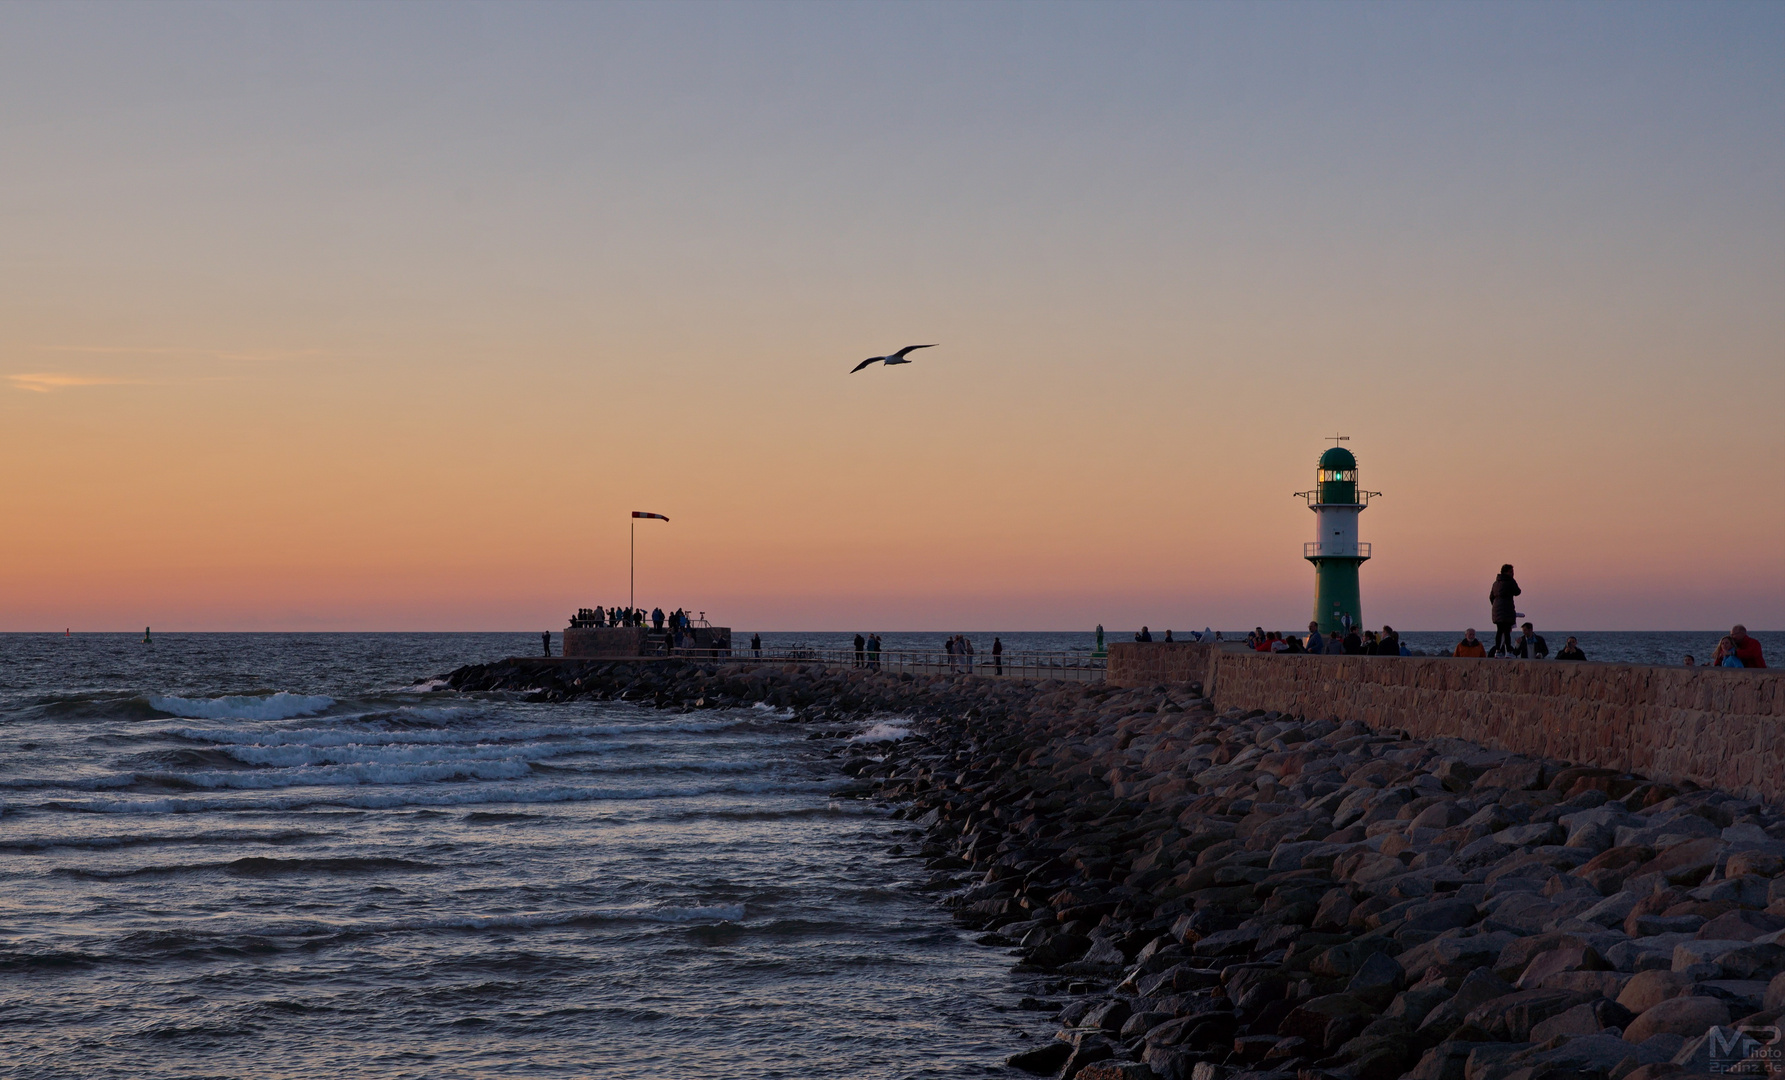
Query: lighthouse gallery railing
x,y
1316,549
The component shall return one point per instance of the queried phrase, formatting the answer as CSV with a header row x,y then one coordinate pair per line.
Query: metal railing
x,y
1334,550
1026,667
1313,498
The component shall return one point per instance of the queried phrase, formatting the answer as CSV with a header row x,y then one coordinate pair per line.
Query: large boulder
x,y
1687,863
1323,1020
1647,989
1555,961
1741,925
1686,1016
1587,1018
1509,1018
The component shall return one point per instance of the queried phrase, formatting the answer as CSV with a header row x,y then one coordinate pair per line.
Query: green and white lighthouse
x,y
1335,552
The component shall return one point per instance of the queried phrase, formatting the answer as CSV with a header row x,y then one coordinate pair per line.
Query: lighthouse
x,y
1335,552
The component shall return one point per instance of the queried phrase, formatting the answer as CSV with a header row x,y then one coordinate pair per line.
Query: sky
x,y
386,316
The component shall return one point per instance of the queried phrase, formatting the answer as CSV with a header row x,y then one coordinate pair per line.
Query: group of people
x,y
1736,649
959,651
630,616
867,652
1351,643
1530,645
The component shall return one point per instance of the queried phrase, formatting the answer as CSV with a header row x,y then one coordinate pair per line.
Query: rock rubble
x,y
1205,895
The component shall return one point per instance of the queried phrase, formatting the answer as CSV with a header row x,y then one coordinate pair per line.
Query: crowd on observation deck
x,y
1738,649
612,617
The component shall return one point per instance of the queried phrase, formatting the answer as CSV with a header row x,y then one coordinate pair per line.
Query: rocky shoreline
x,y
1209,895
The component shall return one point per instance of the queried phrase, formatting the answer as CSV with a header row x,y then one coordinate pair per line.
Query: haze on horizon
x,y
385,316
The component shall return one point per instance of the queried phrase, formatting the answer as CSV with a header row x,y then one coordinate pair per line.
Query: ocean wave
x,y
424,797
30,844
256,866
341,775
886,731
339,736
312,933
279,706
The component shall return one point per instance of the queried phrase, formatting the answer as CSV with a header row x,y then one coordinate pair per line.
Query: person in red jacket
x,y
1470,645
1747,649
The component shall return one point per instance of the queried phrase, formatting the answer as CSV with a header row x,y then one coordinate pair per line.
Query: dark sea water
x,y
261,856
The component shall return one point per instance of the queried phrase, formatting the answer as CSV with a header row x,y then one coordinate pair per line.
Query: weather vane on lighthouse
x,y
1335,552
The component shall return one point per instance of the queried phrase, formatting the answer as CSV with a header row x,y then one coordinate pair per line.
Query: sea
x,y
272,856
294,855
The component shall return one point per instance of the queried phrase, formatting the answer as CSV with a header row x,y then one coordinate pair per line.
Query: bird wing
x,y
901,353
865,363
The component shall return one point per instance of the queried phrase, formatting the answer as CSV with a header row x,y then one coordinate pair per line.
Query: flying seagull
x,y
895,358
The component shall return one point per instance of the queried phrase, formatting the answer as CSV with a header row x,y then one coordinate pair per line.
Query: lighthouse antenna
x,y
1337,439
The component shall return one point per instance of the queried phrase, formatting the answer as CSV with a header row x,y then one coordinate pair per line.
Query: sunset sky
x,y
384,316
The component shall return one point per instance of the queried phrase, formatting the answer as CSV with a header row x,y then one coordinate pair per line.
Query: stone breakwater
x,y
1220,895
1717,727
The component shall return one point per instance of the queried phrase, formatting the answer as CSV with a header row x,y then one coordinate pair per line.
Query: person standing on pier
x,y
997,657
1316,643
873,652
1504,598
756,645
545,639
861,645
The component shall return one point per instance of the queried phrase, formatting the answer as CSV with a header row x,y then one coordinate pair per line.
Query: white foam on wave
x,y
885,731
279,706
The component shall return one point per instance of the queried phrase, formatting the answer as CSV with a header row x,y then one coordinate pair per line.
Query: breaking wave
x,y
279,706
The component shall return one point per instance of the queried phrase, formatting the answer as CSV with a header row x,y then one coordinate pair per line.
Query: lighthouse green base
x,y
1336,593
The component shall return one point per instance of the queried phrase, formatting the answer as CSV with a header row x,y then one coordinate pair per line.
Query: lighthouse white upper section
x,y
1336,502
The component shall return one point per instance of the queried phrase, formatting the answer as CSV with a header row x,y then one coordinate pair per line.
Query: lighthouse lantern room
x,y
1335,551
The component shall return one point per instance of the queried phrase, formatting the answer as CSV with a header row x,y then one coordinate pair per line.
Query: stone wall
x,y
1716,727
611,642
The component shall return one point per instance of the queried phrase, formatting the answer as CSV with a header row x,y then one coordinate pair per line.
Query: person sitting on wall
x,y
1690,662
1354,645
1292,644
1144,635
1530,645
1277,644
1389,642
1570,651
1335,644
1747,649
1315,644
1725,655
1471,645
1168,635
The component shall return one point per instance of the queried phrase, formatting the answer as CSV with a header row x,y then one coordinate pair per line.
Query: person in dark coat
x,y
861,648
1504,597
